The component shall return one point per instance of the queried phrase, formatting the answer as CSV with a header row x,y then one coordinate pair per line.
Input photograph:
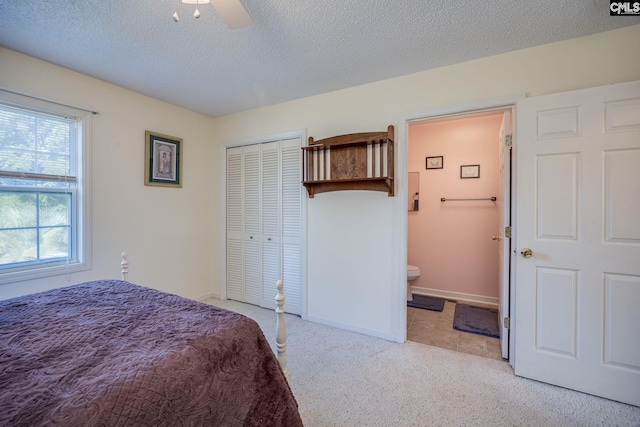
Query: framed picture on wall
x,y
469,171
436,162
163,160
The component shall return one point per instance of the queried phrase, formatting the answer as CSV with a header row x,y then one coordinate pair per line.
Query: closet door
x,y
235,233
252,225
291,224
270,197
264,236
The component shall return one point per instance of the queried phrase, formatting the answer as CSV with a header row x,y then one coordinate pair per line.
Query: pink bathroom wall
x,y
451,242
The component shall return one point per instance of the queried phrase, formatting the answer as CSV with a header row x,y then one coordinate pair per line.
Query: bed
x,y
112,353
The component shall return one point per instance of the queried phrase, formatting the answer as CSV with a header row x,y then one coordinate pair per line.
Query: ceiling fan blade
x,y
232,13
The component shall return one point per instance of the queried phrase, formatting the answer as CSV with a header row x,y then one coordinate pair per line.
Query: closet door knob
x,y
496,238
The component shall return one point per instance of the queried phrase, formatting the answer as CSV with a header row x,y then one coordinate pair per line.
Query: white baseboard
x,y
457,296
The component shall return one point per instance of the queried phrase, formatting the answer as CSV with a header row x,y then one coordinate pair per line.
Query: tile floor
x,y
436,328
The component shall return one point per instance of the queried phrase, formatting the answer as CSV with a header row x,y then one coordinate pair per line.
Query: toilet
x,y
413,273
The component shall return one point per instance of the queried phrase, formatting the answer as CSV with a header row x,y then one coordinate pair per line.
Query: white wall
x,y
167,232
354,242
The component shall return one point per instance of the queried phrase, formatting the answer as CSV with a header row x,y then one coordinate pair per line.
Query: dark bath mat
x,y
426,302
477,320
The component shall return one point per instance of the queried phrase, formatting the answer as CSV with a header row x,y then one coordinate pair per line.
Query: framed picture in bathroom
x,y
469,171
436,162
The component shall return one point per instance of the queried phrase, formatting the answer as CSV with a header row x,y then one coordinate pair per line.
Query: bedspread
x,y
110,353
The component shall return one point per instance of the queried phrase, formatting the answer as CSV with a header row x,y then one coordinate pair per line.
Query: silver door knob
x,y
526,252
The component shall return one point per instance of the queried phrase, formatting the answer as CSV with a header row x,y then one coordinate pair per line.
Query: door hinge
x,y
508,140
507,323
507,232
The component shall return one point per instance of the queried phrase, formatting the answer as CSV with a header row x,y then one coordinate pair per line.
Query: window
x,y
44,206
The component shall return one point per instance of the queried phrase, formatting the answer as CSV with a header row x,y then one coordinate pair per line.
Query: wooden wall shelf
x,y
356,161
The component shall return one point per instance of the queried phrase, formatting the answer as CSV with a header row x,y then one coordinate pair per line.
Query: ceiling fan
x,y
232,12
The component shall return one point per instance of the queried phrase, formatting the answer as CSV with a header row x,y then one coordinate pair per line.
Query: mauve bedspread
x,y
110,353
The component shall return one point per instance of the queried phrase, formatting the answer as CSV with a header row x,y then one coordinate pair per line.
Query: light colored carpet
x,y
342,378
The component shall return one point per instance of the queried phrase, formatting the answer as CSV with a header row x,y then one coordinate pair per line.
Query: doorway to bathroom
x,y
456,224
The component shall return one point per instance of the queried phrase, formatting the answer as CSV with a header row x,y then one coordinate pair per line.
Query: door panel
x,y
235,235
578,205
622,318
270,199
292,225
557,311
252,226
621,194
557,204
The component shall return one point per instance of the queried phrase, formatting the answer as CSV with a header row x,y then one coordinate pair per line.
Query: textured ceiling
x,y
294,48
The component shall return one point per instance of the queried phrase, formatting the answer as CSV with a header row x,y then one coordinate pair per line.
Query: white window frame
x,y
81,209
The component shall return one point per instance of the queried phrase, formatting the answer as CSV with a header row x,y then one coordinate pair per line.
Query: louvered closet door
x,y
235,234
264,237
291,224
252,226
271,261
281,222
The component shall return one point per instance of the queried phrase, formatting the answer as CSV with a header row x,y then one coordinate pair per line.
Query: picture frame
x,y
469,171
163,160
435,162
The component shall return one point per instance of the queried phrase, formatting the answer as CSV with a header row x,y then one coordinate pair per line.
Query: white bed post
x,y
281,331
124,267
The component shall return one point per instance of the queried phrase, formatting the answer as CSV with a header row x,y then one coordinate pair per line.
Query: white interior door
x,y
270,201
235,225
264,223
292,229
504,220
252,225
577,210
282,222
